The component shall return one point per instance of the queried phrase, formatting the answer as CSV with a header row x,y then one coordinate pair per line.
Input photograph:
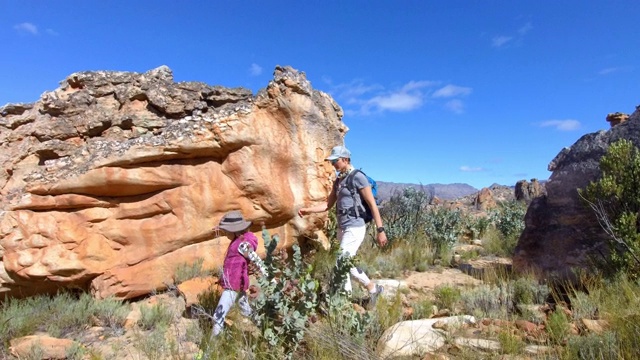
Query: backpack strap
x,y
352,189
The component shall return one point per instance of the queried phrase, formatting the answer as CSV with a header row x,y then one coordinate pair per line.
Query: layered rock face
x,y
561,233
113,180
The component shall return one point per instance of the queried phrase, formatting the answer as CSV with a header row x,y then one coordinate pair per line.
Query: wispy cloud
x,y
400,101
465,168
51,32
366,99
562,125
255,69
26,27
498,41
451,91
505,39
455,105
613,70
525,28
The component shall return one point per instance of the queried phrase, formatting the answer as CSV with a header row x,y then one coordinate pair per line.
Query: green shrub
x,y
447,296
510,343
557,327
476,226
186,271
288,297
508,218
156,316
593,346
444,227
405,213
485,300
615,199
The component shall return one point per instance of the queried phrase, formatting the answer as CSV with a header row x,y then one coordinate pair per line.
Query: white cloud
x,y
399,101
502,40
455,105
416,85
562,125
52,32
255,69
466,168
451,91
613,70
498,41
355,88
27,28
365,99
525,28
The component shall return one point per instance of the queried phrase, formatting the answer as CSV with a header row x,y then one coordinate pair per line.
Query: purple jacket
x,y
235,272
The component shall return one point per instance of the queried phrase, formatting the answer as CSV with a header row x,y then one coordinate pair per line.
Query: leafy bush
x,y
593,346
476,226
405,213
58,315
288,297
444,227
485,300
186,271
615,198
447,296
508,218
557,327
156,316
510,343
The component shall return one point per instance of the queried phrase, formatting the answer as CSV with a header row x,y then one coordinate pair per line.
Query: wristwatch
x,y
380,229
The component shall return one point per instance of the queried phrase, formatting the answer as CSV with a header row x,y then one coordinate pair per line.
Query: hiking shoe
x,y
373,298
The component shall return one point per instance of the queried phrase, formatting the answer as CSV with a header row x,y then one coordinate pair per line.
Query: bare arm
x,y
322,207
367,196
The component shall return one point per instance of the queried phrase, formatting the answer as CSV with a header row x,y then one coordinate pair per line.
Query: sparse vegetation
x,y
301,311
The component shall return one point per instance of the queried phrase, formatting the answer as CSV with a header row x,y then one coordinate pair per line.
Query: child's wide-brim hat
x,y
234,222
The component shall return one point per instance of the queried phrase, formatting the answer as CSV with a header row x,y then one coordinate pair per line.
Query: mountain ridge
x,y
442,191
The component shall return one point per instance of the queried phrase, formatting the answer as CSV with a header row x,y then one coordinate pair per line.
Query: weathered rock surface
x,y
527,191
114,179
561,233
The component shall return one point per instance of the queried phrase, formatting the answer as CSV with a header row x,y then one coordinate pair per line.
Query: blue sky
x,y
475,92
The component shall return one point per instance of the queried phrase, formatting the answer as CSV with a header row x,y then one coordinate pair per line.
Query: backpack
x,y
361,207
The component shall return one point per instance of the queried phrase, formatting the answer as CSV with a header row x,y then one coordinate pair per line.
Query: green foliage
x,y
186,271
156,316
510,343
58,315
444,227
616,199
557,327
508,218
593,346
422,309
486,300
405,213
447,296
288,297
476,226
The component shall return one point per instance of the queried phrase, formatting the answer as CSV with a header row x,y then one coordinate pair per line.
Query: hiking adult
x,y
351,226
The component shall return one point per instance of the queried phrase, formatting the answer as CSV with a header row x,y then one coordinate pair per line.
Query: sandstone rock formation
x,y
484,200
617,118
114,179
527,191
561,233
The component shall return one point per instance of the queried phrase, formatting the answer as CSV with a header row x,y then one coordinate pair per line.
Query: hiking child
x,y
351,226
235,271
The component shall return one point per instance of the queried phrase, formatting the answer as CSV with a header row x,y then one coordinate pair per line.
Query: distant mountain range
x,y
442,191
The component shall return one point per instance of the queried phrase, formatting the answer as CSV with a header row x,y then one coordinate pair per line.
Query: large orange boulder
x,y
115,179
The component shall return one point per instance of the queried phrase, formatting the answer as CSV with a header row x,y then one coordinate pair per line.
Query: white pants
x,y
227,299
350,240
